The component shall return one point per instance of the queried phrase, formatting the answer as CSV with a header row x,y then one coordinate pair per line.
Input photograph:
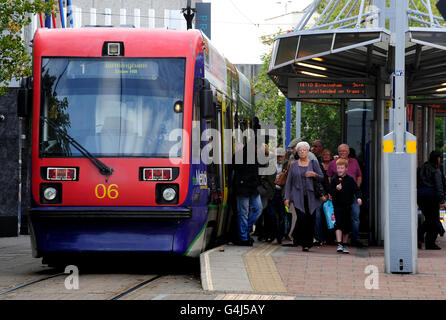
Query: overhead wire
x,y
246,17
181,19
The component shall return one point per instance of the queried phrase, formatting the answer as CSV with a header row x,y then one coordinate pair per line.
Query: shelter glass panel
x,y
287,50
348,39
314,44
438,38
360,118
360,113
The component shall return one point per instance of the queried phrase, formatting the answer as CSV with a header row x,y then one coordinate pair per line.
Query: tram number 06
x,y
111,192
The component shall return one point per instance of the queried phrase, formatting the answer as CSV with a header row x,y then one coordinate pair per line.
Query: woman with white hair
x,y
299,190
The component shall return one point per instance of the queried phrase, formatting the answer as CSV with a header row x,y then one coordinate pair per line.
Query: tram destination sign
x,y
325,89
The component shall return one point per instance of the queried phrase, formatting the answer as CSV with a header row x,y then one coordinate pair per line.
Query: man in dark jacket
x,y
266,190
430,194
249,204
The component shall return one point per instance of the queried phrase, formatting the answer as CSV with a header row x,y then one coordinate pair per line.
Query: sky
x,y
236,26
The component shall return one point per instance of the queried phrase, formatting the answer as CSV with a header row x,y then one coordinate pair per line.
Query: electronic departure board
x,y
342,88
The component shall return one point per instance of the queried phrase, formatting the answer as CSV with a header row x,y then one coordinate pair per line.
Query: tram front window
x,y
112,107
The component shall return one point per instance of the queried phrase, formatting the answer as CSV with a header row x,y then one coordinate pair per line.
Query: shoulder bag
x,y
319,190
281,179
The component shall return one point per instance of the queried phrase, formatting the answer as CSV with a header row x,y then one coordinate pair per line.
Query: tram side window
x,y
196,131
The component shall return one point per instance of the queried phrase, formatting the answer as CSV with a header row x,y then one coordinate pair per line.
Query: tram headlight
x,y
169,194
50,193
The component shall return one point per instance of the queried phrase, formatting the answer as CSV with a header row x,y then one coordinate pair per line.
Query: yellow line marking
x,y
253,297
207,267
262,271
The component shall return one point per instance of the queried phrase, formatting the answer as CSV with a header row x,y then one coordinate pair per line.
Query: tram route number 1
x,y
101,191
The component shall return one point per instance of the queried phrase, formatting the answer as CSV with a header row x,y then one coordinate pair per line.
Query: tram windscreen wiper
x,y
103,169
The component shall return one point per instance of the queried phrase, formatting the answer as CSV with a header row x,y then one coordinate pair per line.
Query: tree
x,y
439,134
418,3
15,61
271,106
322,122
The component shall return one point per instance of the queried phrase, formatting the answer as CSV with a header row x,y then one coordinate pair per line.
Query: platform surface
x,y
279,272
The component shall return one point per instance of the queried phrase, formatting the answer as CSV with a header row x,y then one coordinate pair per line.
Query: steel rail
x,y
134,288
31,283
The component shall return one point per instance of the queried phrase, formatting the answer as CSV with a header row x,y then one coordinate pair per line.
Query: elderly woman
x,y
299,190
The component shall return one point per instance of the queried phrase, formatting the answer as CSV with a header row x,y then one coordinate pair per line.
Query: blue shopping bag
x,y
329,214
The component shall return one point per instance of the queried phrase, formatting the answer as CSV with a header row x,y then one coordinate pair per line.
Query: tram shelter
x,y
375,58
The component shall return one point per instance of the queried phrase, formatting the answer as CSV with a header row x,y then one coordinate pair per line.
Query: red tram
x,y
108,174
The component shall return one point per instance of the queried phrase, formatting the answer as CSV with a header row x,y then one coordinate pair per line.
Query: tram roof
x,y
88,41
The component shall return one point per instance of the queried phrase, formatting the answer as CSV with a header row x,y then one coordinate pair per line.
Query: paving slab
x,y
272,270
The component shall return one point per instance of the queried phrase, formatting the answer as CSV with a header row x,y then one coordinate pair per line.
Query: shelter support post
x,y
298,118
424,132
399,164
431,132
377,209
343,121
288,123
444,139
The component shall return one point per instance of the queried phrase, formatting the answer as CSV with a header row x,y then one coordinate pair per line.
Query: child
x,y
343,188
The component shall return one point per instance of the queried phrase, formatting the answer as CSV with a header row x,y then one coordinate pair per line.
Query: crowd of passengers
x,y
294,205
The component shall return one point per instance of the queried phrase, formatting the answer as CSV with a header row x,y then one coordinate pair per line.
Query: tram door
x,y
221,167
360,116
215,171
226,156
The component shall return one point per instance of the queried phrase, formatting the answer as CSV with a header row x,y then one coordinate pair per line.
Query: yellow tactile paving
x,y
252,297
262,270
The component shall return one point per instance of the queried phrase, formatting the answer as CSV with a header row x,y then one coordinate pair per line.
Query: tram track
x,y
136,287
116,297
27,284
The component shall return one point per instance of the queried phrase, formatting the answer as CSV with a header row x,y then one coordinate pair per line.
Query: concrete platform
x,y
289,273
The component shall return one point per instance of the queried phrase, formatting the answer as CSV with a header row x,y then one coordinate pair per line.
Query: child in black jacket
x,y
343,188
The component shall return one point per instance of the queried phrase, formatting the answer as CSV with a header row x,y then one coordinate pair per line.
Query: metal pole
x,y
444,141
62,15
47,18
70,15
188,14
288,123
361,10
298,118
400,91
283,135
343,122
399,165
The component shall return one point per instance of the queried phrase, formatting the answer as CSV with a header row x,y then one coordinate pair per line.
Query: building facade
x,y
141,14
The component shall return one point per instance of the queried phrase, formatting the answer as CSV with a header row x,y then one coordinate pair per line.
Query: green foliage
x,y
345,14
318,121
321,122
271,107
15,61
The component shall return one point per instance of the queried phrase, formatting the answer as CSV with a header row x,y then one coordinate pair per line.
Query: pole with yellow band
x,y
388,145
409,147
411,143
